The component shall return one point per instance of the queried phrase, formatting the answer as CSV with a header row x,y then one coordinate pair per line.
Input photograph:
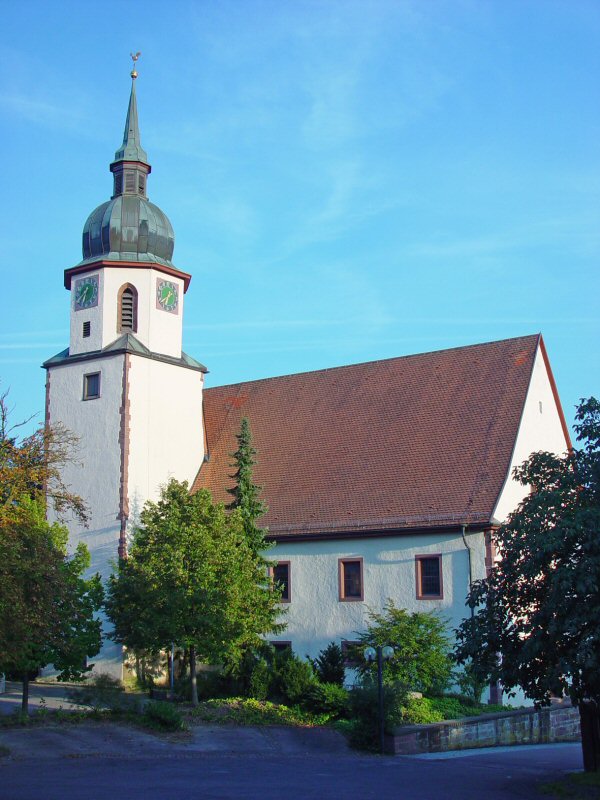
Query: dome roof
x,y
128,228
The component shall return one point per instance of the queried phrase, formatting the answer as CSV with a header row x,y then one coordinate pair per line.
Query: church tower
x,y
123,386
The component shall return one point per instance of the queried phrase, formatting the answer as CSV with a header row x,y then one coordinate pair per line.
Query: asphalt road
x,y
494,774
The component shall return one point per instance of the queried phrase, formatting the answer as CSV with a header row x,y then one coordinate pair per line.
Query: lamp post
x,y
381,653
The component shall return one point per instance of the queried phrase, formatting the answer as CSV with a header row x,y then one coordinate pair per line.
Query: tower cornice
x,y
105,263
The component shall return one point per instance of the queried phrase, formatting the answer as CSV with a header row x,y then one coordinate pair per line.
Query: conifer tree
x,y
246,494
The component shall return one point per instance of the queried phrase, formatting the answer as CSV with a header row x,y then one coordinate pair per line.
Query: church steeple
x,y
130,167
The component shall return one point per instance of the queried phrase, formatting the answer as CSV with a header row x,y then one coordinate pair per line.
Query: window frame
x,y
86,377
419,576
346,645
341,591
134,309
281,645
289,578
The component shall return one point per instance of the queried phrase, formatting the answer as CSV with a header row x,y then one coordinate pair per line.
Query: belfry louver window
x,y
127,309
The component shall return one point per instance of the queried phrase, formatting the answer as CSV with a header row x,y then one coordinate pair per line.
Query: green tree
x,y
536,617
246,494
47,607
191,577
30,467
329,665
421,643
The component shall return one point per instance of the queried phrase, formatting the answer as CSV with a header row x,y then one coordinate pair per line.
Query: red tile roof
x,y
411,442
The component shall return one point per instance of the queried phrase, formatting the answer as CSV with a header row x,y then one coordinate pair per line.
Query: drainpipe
x,y
463,531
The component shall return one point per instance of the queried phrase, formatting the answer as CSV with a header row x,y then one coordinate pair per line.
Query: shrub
x,y
163,716
421,643
329,665
102,692
260,680
292,677
420,711
327,698
364,709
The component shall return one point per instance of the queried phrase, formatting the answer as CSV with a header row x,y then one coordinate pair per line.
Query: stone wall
x,y
558,723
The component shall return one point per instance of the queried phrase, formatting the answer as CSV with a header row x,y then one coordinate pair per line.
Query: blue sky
x,y
347,180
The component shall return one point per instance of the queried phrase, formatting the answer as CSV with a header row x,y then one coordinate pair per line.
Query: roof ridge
x,y
535,336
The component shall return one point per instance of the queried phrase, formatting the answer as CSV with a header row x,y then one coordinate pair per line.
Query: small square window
x,y
351,653
429,577
280,574
351,578
281,647
87,329
91,386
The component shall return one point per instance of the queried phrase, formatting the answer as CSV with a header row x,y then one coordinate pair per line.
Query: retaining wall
x,y
558,723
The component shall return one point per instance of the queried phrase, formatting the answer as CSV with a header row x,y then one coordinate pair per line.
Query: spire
x,y
130,167
131,149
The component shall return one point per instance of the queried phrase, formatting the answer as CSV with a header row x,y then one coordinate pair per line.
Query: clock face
x,y
86,292
167,296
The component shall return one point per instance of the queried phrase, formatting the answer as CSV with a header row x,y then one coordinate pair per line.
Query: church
x,y
384,480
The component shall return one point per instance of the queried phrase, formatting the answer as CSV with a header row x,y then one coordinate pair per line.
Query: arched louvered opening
x,y
127,309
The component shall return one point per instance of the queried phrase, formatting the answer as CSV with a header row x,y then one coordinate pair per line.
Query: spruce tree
x,y
246,494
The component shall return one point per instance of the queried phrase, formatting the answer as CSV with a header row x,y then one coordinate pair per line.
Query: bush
x,y
329,665
421,661
364,709
260,680
327,698
420,711
102,692
163,716
292,677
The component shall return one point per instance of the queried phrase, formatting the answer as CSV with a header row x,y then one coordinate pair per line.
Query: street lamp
x,y
381,653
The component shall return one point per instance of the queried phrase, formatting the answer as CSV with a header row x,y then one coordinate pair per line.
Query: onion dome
x,y
128,227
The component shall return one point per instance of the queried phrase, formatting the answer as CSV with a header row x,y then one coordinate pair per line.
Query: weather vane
x,y
134,58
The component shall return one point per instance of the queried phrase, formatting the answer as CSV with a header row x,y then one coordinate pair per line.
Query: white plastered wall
x,y
540,429
159,330
315,616
95,472
166,429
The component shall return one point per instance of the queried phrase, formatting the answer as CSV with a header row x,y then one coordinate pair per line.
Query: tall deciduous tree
x,y
192,578
246,494
537,616
47,607
31,467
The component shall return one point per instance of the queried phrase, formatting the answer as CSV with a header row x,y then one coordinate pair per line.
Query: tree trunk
x,y
25,695
589,716
193,675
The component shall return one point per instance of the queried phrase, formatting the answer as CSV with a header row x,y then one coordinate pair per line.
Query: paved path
x,y
214,776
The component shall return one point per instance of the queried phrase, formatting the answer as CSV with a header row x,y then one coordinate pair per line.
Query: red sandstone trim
x,y
341,595
561,415
419,594
271,576
124,446
172,271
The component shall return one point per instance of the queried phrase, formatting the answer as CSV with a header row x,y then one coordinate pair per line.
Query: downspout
x,y
463,532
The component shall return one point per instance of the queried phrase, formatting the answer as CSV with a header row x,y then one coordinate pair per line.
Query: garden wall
x,y
558,723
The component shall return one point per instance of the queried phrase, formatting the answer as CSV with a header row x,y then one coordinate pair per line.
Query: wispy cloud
x,y
41,112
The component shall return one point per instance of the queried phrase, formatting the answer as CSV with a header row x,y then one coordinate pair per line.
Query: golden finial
x,y
134,58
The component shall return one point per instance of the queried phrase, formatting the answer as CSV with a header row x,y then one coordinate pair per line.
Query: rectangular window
x,y
87,328
281,647
281,574
351,578
351,653
429,577
91,386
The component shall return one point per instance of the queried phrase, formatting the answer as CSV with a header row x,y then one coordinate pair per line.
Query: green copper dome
x,y
129,227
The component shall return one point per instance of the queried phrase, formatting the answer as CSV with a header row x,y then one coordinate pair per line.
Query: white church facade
x,y
384,480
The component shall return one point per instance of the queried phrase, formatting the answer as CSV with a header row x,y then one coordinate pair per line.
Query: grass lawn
x,y
576,786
